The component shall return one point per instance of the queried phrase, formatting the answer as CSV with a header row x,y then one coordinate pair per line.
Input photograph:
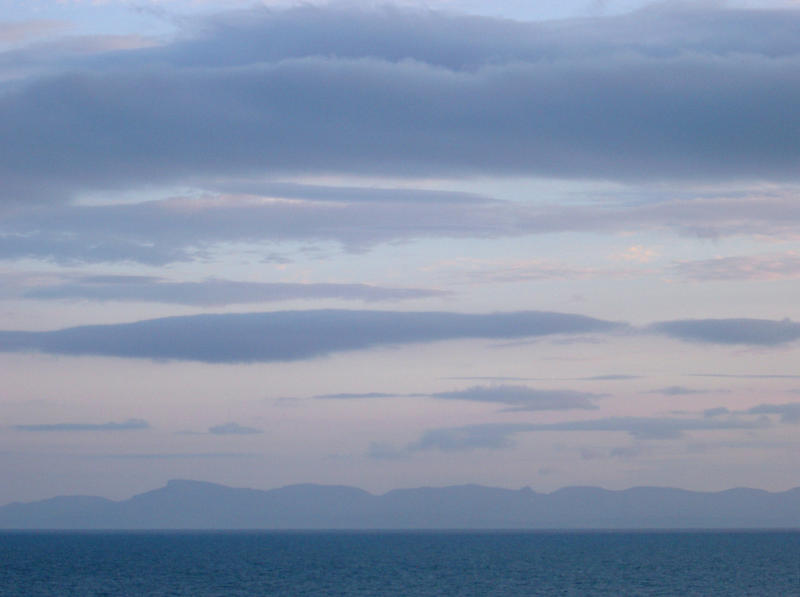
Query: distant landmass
x,y
200,505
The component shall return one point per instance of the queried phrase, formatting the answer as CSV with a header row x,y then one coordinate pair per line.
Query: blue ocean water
x,y
374,564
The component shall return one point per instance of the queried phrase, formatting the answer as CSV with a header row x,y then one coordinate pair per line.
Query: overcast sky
x,y
395,245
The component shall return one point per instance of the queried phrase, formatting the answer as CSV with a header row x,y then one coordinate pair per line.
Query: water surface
x,y
375,564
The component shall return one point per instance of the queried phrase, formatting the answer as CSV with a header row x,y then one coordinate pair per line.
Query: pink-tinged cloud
x,y
776,266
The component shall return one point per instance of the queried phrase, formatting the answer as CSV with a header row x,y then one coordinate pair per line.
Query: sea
x,y
378,563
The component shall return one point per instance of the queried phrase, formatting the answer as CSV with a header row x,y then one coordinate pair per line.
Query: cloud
x,y
758,332
658,94
637,254
187,228
34,50
181,229
524,398
174,456
624,452
780,266
493,271
363,395
492,378
129,425
13,32
747,375
609,377
344,194
649,428
705,216
216,292
789,413
500,435
295,335
492,436
291,335
677,391
232,429
517,397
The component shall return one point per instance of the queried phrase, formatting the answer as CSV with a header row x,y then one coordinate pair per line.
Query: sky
x,y
398,245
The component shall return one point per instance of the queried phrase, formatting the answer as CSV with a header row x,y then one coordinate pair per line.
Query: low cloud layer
x,y
677,391
514,397
524,398
757,332
500,435
789,412
365,396
291,335
780,266
183,229
748,375
129,425
216,292
296,335
176,456
609,377
233,429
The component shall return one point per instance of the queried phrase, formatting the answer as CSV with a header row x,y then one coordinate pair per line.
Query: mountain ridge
x,y
188,504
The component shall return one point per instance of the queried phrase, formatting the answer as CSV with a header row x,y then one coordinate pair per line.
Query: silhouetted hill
x,y
200,505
